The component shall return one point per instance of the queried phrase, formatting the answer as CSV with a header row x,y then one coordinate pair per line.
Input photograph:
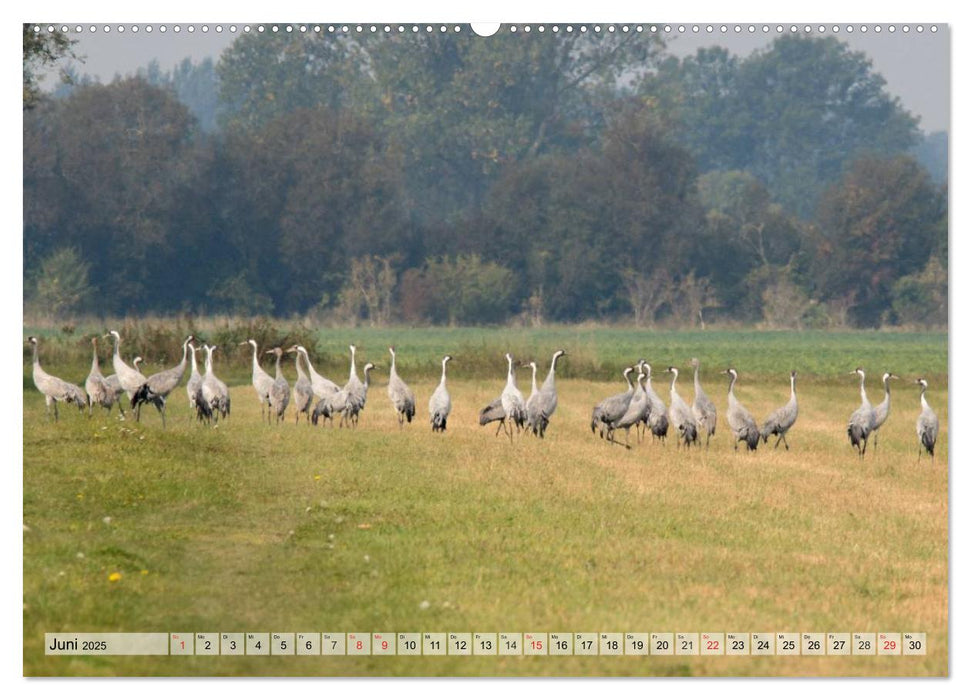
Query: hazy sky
x,y
915,65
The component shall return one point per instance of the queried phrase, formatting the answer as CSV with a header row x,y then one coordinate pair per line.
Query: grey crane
x,y
193,388
706,415
95,385
401,395
262,381
303,391
612,409
329,406
638,408
657,419
214,391
194,384
347,401
353,385
440,404
681,416
740,421
542,403
531,401
882,410
356,401
280,389
493,412
321,385
131,380
158,386
115,386
53,388
927,424
862,419
513,404
781,419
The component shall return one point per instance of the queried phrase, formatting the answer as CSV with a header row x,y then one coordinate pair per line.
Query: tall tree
x,y
794,115
882,221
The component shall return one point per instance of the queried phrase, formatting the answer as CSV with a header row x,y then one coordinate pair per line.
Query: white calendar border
x,y
509,10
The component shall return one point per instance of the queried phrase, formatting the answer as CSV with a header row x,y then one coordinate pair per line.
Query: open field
x,y
254,528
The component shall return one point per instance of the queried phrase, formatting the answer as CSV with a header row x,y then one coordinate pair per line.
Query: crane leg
x,y
502,424
786,442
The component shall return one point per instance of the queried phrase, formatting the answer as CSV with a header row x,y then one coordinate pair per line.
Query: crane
x,y
402,397
739,419
781,419
440,404
927,424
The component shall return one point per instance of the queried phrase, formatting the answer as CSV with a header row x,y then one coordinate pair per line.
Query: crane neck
x,y
731,387
886,389
296,361
792,387
393,371
208,360
95,367
117,342
923,401
256,359
444,365
279,372
353,374
367,376
697,383
863,389
195,365
36,355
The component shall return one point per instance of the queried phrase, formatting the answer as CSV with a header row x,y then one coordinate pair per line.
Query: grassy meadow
x,y
255,528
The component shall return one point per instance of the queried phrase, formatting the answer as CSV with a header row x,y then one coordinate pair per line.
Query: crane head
x,y
694,362
447,358
922,382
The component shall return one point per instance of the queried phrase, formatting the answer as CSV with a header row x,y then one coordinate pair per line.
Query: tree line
x,y
452,179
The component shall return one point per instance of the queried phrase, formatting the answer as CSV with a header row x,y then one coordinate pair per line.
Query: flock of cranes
x,y
638,407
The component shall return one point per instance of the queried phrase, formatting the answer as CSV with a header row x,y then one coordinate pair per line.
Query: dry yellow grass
x,y
254,528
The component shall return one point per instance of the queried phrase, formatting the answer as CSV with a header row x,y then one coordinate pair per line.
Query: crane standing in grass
x,y
280,389
157,387
882,410
131,380
214,391
513,404
681,416
401,395
657,419
612,409
739,419
96,386
355,402
440,404
262,382
303,392
927,424
781,419
637,409
542,403
862,419
706,415
53,388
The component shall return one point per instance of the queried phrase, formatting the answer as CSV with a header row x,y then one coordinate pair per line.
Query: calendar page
x,y
560,349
